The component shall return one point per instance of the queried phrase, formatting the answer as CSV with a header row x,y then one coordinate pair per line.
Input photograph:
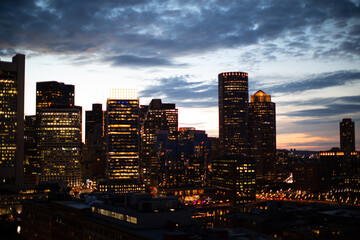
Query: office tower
x,y
60,144
233,173
54,94
233,112
234,178
94,155
32,168
347,135
122,135
58,132
159,116
262,134
12,81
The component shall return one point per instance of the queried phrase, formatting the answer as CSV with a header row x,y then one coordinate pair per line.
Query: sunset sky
x,y
305,54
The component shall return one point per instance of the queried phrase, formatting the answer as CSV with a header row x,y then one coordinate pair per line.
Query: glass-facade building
x,y
122,137
12,75
262,134
60,144
233,173
233,112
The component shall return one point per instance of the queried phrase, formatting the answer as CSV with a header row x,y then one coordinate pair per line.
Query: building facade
x,y
12,81
32,168
182,162
122,137
94,155
262,134
234,178
159,116
60,144
233,112
347,135
54,94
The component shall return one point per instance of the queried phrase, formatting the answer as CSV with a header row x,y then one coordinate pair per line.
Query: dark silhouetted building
x,y
12,81
54,94
94,155
122,135
118,217
32,168
182,162
159,116
233,112
347,135
262,134
341,168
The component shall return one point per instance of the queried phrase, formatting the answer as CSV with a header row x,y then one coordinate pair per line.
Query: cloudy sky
x,y
305,54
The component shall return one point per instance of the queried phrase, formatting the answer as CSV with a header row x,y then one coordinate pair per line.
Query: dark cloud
x,y
329,110
324,101
155,32
318,81
183,92
129,60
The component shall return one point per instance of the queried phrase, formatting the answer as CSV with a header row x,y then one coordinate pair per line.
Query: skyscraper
x,y
347,135
233,173
262,134
233,112
159,116
60,144
59,132
12,81
122,135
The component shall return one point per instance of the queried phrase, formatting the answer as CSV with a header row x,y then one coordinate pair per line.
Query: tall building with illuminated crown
x,y
122,135
12,81
262,134
233,112
233,173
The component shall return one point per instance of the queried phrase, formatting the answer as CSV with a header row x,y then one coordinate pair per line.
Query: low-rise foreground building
x,y
129,216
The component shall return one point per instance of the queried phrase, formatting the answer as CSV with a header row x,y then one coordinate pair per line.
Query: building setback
x,y
12,81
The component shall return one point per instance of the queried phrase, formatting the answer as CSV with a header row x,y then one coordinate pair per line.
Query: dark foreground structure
x,y
118,217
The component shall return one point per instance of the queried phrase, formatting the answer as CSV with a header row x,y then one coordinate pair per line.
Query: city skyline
x,y
304,54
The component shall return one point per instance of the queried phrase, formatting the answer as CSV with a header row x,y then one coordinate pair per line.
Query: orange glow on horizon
x,y
295,140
